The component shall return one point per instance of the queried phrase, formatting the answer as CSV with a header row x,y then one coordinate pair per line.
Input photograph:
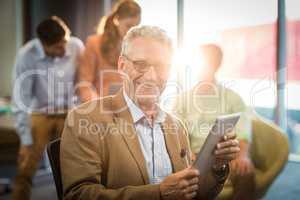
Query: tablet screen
x,y
223,124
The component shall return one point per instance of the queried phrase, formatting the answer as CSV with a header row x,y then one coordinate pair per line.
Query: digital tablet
x,y
223,124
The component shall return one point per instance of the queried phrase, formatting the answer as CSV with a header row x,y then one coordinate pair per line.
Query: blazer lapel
x,y
173,145
126,127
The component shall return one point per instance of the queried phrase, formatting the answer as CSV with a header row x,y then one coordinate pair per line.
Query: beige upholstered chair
x,y
269,153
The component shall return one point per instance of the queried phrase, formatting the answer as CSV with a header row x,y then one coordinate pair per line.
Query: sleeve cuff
x,y
152,192
26,138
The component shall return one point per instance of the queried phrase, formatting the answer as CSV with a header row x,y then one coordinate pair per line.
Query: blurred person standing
x,y
199,108
42,94
97,75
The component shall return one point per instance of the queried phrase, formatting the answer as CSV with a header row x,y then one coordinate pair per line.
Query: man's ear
x,y
121,64
45,47
116,21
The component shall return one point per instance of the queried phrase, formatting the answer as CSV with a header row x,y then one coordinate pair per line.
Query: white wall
x,y
10,40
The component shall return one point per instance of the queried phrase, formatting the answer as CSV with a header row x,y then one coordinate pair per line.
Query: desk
x,y
9,140
9,146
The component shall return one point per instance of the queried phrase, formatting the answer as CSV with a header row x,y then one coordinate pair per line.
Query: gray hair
x,y
152,32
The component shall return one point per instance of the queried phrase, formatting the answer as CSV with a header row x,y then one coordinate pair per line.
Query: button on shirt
x,y
152,143
43,84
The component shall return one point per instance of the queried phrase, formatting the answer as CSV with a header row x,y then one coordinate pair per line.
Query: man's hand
x,y
24,152
242,165
227,149
182,185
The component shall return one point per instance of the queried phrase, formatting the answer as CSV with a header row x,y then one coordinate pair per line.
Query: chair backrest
x,y
270,144
269,151
53,150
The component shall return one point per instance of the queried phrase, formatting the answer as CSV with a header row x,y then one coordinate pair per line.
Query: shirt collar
x,y
41,51
137,114
68,51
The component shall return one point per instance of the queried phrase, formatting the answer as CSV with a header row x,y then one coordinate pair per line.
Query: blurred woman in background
x,y
97,73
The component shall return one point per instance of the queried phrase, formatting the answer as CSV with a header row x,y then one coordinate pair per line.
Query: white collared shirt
x,y
43,84
152,142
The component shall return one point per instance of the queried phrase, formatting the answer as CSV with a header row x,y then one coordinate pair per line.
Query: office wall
x,y
11,38
19,18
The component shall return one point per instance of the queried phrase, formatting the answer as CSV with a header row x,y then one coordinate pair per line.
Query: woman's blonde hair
x,y
111,39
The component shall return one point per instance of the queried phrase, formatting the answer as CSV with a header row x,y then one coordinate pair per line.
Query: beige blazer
x,y
101,157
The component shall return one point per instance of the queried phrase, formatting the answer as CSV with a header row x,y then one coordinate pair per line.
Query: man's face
x,y
56,50
147,65
211,59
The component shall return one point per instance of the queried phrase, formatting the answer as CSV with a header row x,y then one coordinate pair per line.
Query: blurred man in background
x,y
200,107
42,94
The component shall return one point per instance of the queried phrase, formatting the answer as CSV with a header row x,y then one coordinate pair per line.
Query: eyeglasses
x,y
142,66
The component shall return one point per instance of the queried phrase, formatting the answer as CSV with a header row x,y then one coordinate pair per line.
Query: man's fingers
x,y
228,143
238,169
190,189
230,135
228,150
190,195
226,157
183,184
194,181
233,165
190,192
188,173
244,169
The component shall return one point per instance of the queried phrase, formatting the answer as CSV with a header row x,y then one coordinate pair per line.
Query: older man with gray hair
x,y
125,146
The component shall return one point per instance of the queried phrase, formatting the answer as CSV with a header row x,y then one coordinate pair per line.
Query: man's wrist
x,y
220,173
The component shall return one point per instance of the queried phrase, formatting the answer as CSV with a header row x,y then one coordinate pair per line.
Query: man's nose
x,y
151,74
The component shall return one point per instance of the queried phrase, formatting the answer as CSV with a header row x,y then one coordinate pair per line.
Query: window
x,y
163,14
246,32
293,74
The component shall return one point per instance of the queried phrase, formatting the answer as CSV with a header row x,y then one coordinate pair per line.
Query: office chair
x,y
269,153
53,149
